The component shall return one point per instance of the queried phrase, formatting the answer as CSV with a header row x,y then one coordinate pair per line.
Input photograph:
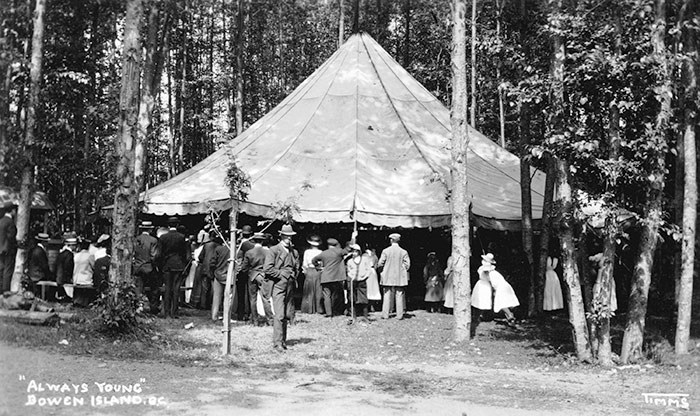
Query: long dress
x,y
434,278
504,295
553,298
312,296
481,294
373,292
449,294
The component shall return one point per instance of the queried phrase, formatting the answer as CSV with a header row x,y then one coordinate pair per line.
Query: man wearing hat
x,y
38,262
8,243
332,265
243,307
65,263
252,269
281,268
172,254
394,263
145,253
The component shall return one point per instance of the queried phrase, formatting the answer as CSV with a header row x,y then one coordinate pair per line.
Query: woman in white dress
x,y
374,295
504,296
483,291
553,298
449,286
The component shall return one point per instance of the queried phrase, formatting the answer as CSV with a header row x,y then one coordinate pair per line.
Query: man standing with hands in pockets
x,y
394,263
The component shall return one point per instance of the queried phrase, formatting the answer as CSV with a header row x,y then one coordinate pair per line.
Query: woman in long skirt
x,y
433,278
553,298
374,295
503,294
449,286
312,297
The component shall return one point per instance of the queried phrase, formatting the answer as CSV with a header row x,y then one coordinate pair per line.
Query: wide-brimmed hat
x,y
247,231
287,230
146,225
173,220
395,236
314,240
332,242
259,237
355,247
70,240
488,258
42,237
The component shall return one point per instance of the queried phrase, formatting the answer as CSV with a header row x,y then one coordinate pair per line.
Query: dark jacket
x,y
281,264
38,264
254,262
145,253
333,262
218,265
64,267
173,251
206,256
8,235
100,275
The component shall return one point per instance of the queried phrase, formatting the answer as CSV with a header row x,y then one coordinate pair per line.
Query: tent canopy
x,y
359,139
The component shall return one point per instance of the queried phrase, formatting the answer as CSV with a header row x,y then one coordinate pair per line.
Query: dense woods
x,y
600,94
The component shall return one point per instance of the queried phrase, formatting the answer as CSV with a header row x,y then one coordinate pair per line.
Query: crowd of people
x,y
173,268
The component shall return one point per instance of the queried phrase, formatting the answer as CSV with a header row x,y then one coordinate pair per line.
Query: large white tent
x,y
360,139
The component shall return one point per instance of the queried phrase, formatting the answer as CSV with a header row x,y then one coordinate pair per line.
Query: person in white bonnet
x,y
504,296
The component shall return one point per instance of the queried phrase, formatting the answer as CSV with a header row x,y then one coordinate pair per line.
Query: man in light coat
x,y
394,263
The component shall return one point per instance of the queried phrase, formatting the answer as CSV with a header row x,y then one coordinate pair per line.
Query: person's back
x,y
395,263
173,251
219,263
205,257
38,263
145,251
333,265
83,268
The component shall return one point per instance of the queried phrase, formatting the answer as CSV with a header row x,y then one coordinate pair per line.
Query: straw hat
x,y
314,240
287,230
488,258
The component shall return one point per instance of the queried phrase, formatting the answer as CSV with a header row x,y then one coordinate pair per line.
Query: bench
x,y
44,284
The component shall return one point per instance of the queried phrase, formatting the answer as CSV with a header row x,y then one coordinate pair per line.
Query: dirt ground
x,y
386,367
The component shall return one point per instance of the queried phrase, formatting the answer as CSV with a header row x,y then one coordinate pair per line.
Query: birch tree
x,y
459,197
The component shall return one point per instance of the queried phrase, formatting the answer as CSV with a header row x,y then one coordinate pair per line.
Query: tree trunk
x,y
407,33
459,197
147,97
603,288
171,120
27,184
546,230
240,32
230,276
526,205
126,196
690,191
634,330
501,108
355,16
577,317
341,23
5,82
472,109
186,31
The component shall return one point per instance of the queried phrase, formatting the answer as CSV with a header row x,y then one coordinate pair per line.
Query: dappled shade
x,y
360,135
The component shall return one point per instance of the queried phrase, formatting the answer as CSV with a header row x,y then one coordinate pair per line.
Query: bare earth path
x,y
394,380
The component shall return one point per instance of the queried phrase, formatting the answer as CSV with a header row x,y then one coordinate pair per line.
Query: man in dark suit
x,y
38,263
173,259
243,306
203,296
281,268
332,264
8,243
145,254
65,264
252,269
